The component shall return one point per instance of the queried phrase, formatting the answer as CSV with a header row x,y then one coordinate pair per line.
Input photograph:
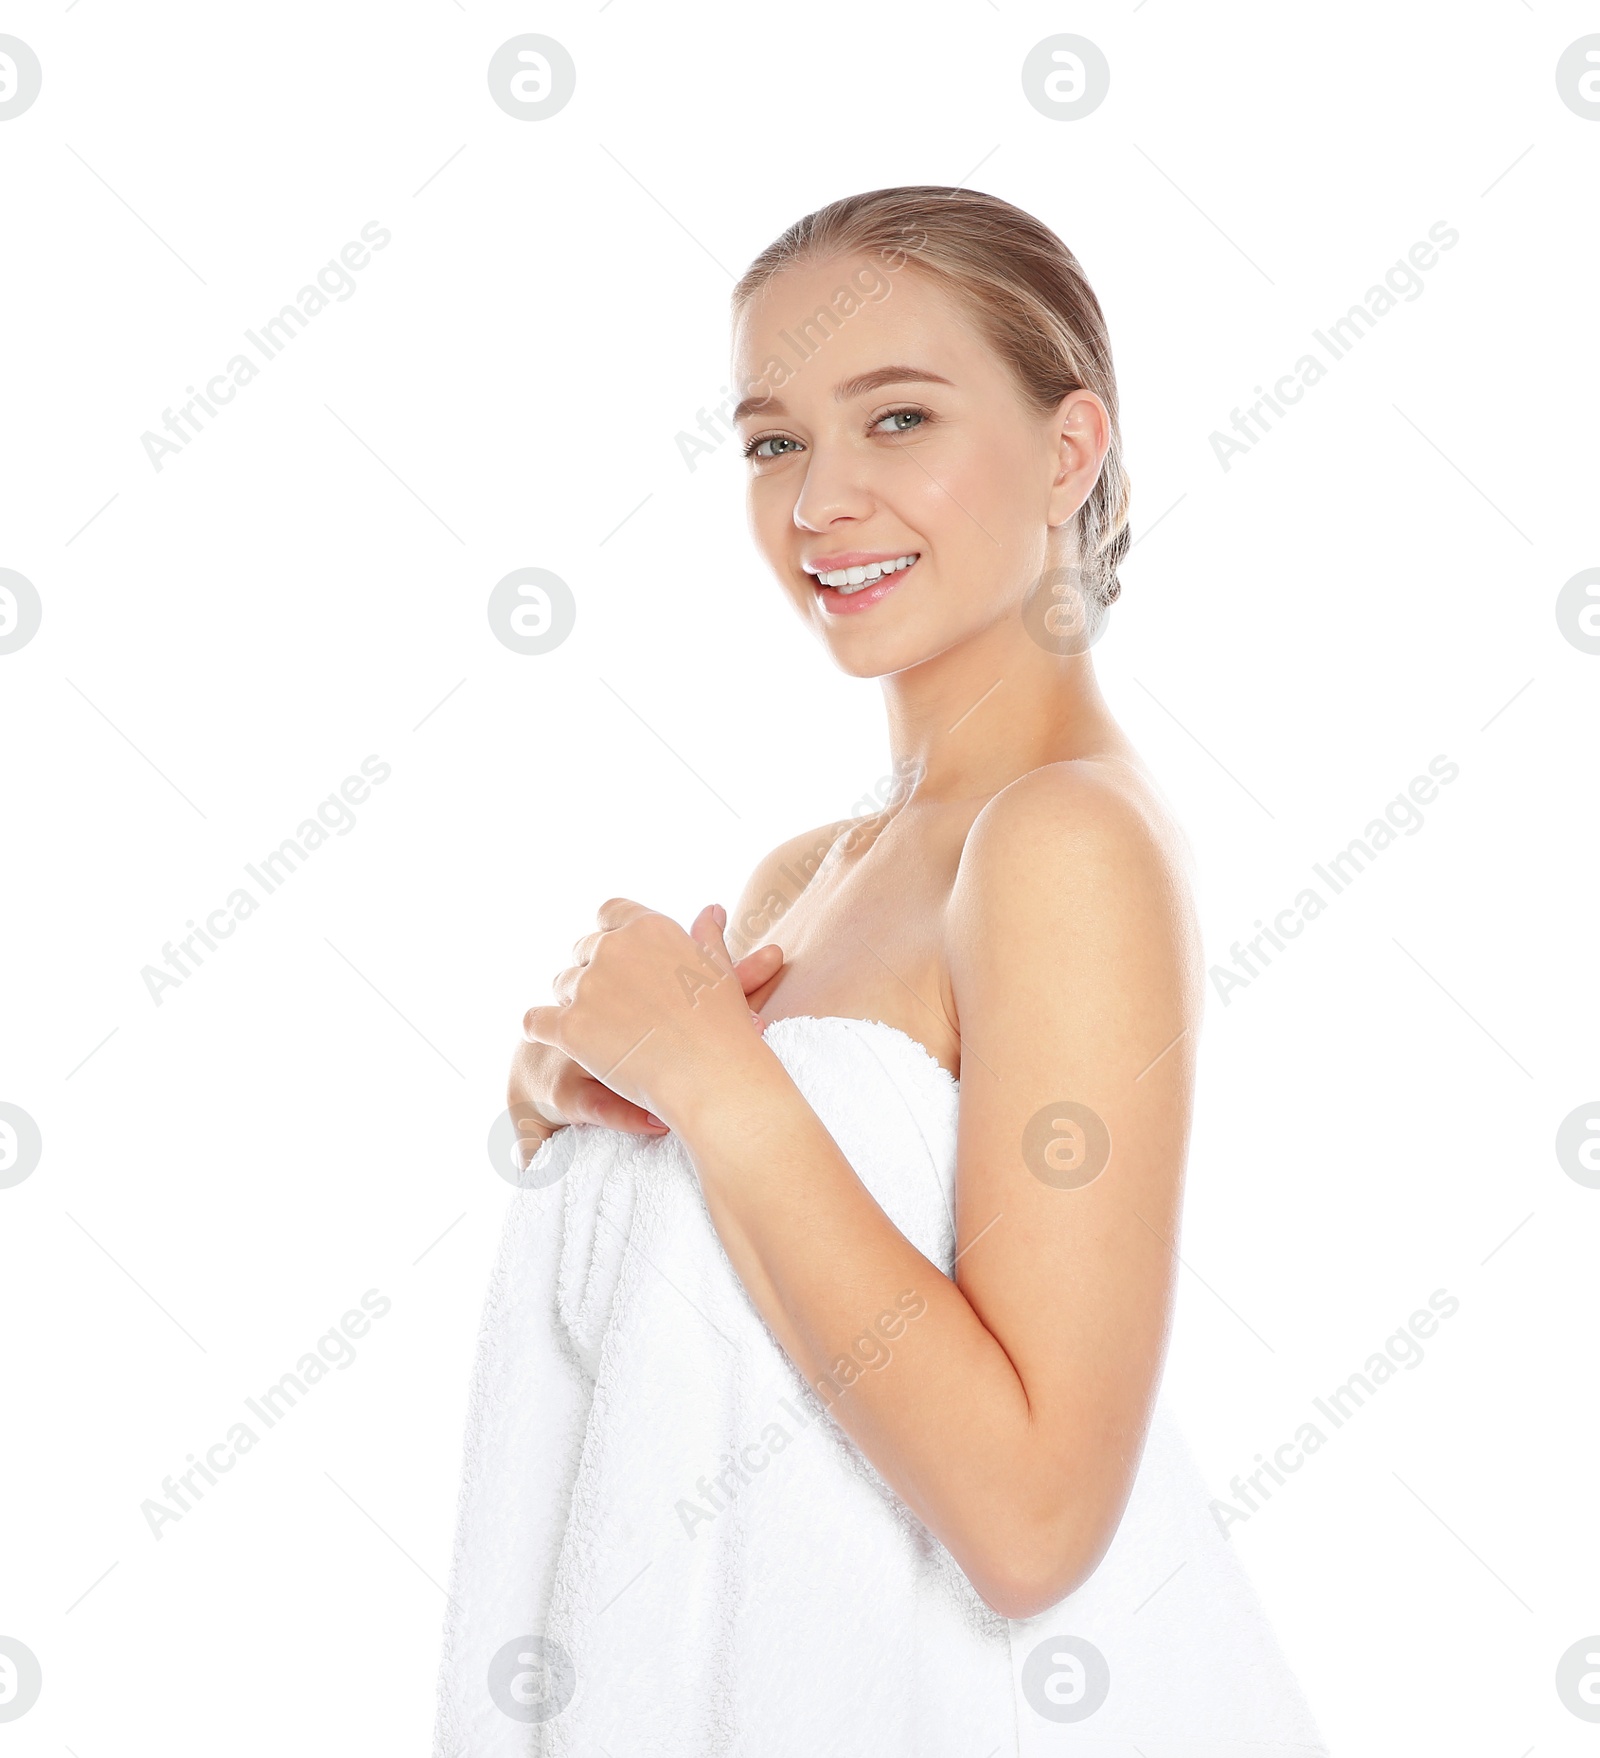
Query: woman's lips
x,y
837,603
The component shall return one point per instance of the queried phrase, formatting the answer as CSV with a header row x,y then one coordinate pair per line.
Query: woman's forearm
x,y
889,1343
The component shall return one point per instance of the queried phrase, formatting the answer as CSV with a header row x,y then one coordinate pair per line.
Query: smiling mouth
x,y
849,580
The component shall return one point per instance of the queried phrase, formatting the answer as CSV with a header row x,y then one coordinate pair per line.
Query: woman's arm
x,y
1011,1408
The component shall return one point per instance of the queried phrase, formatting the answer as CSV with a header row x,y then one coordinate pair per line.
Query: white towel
x,y
666,1546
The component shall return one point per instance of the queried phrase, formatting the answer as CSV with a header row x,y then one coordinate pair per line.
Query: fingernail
x,y
651,1116
721,915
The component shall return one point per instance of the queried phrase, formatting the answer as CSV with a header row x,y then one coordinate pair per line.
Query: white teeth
x,y
853,579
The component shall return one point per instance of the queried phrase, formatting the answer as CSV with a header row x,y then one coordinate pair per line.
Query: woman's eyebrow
x,y
852,387
885,375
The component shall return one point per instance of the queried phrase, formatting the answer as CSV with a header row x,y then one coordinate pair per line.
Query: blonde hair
x,y
1025,292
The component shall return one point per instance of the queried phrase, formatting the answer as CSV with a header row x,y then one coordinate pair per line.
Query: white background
x,y
223,641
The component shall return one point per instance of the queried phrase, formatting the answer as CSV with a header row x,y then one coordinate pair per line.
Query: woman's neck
x,y
976,717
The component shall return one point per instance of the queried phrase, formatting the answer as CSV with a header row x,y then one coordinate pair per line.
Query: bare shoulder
x,y
777,880
1076,811
1082,847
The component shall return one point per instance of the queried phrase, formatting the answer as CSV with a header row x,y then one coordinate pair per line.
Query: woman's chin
x,y
879,658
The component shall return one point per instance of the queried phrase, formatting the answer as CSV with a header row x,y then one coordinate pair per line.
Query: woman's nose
x,y
835,487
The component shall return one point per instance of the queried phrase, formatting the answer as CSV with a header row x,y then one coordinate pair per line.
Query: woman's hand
x,y
547,1089
649,1011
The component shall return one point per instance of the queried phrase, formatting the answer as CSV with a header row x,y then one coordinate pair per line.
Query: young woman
x,y
817,1399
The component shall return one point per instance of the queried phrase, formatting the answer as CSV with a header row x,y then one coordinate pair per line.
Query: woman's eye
x,y
900,421
761,448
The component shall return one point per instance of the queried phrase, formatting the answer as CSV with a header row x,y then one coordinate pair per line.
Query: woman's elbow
x,y
1022,1579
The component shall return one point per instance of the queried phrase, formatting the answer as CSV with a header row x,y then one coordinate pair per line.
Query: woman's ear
x,y
1083,434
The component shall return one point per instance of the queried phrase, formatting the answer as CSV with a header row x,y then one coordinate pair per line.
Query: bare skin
x,y
1021,907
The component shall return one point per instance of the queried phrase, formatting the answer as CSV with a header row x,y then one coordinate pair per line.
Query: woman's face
x,y
881,429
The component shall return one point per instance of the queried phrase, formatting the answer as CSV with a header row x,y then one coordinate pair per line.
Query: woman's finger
x,y
615,912
596,1103
542,1025
564,985
758,970
758,967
